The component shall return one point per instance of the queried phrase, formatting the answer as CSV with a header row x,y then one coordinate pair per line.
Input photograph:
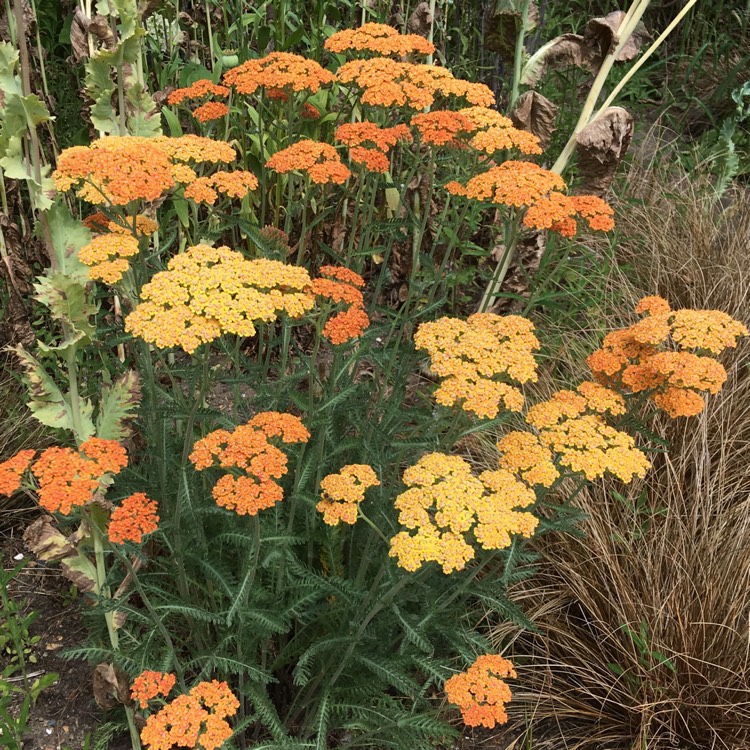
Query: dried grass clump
x,y
644,622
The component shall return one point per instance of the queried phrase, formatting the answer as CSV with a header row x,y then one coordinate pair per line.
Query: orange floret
x,y
210,111
133,519
342,493
439,128
198,90
279,70
319,160
380,39
480,692
12,471
149,685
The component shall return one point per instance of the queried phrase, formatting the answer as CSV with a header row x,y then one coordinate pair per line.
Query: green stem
x,y
518,54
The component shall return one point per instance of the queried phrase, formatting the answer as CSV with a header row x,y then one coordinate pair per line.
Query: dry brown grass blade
x,y
663,572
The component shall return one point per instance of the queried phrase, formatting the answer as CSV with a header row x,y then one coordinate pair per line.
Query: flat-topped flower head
x,y
133,519
480,359
149,685
198,90
196,719
483,118
379,39
282,71
341,493
12,471
248,448
481,692
319,161
207,292
522,454
497,138
445,502
210,111
439,128
711,330
342,286
369,144
388,83
105,255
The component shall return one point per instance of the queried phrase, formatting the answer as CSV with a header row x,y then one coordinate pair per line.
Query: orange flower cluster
x,y
502,138
235,184
341,285
633,358
117,170
320,161
309,111
210,111
440,128
343,492
201,88
378,38
248,450
68,478
369,144
149,685
480,692
388,83
12,471
483,118
522,454
279,70
132,520
470,355
196,719
558,212
144,226
106,256
445,501
207,292
571,425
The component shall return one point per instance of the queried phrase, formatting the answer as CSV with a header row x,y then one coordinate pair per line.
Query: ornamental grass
x,y
267,359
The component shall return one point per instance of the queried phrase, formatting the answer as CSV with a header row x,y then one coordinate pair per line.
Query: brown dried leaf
x,y
110,687
98,27
535,113
602,144
602,33
420,20
501,27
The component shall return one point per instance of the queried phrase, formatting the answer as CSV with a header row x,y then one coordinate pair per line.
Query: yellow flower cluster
x,y
572,426
523,454
445,502
106,256
470,355
343,492
639,359
236,184
207,292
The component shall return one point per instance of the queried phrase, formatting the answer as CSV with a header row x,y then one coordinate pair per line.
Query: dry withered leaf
x,y
82,26
586,51
110,687
501,27
601,146
420,20
535,113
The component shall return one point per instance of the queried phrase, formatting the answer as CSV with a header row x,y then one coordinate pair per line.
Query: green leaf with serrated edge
x,y
118,402
66,299
68,236
48,404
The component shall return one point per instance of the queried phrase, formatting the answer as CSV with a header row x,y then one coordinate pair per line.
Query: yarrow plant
x,y
265,368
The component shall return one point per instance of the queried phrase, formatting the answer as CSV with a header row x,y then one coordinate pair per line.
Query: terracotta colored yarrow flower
x,y
479,359
235,184
499,138
196,719
483,118
320,161
341,493
133,519
445,501
207,292
378,38
342,285
388,83
145,226
279,70
197,90
249,450
642,358
12,471
481,692
210,111
149,685
68,478
309,112
439,128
